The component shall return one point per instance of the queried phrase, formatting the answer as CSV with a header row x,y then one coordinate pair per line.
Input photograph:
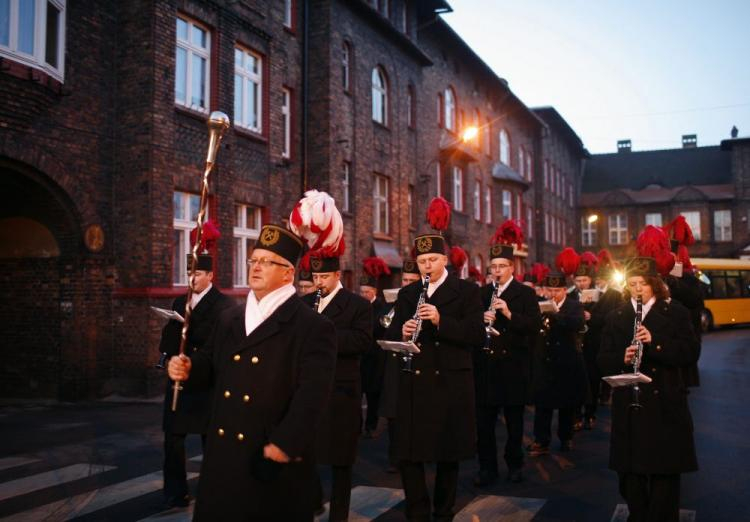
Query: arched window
x,y
449,111
504,147
379,96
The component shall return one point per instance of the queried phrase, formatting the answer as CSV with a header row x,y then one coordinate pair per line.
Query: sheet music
x,y
399,347
626,379
168,314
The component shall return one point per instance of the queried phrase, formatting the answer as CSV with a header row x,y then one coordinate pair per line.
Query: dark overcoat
x,y
337,436
658,438
562,382
373,360
687,290
270,387
392,365
193,407
502,375
608,301
435,416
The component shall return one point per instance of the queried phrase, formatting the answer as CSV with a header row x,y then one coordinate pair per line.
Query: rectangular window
x,y
458,189
521,163
653,218
438,180
192,66
529,222
345,65
346,187
618,229
519,206
507,204
722,225
477,200
247,222
404,17
546,227
488,205
289,14
588,232
486,136
693,219
570,195
248,90
529,167
380,204
185,207
286,119
412,208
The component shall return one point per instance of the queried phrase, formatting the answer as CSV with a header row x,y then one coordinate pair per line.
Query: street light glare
x,y
470,133
593,218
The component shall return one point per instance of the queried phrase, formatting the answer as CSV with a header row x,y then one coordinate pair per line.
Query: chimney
x,y
623,146
734,132
689,141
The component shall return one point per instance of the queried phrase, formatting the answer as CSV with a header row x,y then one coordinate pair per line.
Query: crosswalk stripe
x,y
621,514
48,479
95,500
197,458
368,503
491,507
12,462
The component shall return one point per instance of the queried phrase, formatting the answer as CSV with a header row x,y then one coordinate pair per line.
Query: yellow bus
x,y
726,291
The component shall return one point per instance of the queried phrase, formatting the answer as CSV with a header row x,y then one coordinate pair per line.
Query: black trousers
x,y
373,402
341,493
486,442
392,441
417,496
543,424
651,498
175,475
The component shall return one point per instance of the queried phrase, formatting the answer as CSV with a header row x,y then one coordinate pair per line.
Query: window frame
x,y
458,188
506,201
724,228
620,228
290,9
379,93
450,110
477,199
648,219
246,78
503,146
696,227
346,66
346,169
411,104
183,225
241,234
488,204
192,50
381,204
286,119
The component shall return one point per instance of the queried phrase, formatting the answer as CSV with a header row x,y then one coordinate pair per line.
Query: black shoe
x,y
484,478
173,502
566,445
515,475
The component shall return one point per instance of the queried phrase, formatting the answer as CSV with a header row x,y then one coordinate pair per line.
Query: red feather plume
x,y
439,214
684,258
680,231
209,236
375,266
567,261
590,259
304,263
458,257
507,234
605,258
653,242
476,274
539,271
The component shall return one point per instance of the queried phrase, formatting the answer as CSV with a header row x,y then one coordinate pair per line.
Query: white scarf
x,y
646,306
256,312
324,301
436,284
196,298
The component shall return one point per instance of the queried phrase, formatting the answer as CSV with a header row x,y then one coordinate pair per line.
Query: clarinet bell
x,y
491,330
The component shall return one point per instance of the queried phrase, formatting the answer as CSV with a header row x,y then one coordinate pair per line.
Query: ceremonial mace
x,y
218,123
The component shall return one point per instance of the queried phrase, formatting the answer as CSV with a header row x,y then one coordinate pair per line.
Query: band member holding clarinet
x,y
337,437
652,430
271,362
587,294
435,410
502,366
194,407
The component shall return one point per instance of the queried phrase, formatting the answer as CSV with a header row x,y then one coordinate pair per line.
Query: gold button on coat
x,y
221,432
255,359
246,398
237,357
417,372
240,437
227,394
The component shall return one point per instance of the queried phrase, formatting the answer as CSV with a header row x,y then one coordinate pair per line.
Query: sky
x,y
648,71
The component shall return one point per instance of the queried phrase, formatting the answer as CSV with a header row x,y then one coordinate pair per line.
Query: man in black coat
x,y
271,363
336,440
435,420
194,407
502,366
562,380
652,444
373,360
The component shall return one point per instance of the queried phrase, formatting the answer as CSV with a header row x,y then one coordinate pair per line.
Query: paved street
x,y
102,461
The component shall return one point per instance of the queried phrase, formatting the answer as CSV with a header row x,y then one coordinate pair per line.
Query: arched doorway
x,y
39,237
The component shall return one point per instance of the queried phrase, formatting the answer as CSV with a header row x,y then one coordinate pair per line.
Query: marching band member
x,y
271,363
373,361
652,430
336,441
305,283
584,282
562,380
502,366
435,409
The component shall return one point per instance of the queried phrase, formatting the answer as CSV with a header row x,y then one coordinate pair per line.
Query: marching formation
x,y
275,385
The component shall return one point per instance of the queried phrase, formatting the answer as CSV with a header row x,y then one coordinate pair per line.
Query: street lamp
x,y
469,133
593,218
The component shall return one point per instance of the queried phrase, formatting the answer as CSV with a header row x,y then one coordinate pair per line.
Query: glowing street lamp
x,y
593,218
469,133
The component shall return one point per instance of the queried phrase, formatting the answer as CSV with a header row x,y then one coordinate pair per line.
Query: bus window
x,y
734,285
718,287
745,274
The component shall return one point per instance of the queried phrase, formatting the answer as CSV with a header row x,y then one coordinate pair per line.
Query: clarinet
x,y
422,299
639,352
489,330
316,303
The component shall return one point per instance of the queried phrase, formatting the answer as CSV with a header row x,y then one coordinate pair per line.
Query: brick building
x,y
627,190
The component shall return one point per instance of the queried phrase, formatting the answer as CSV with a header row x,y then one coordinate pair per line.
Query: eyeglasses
x,y
497,267
265,263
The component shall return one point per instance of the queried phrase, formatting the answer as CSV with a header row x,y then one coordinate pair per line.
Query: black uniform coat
x,y
562,382
336,439
373,360
391,372
435,417
687,290
657,439
193,407
502,375
608,301
271,387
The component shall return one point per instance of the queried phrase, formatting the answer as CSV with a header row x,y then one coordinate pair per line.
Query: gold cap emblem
x,y
269,237
496,250
424,244
316,263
